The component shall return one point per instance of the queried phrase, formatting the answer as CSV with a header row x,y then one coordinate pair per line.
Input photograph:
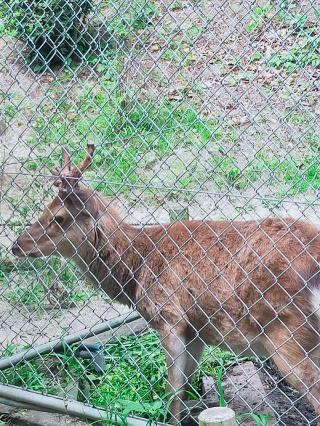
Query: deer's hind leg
x,y
295,353
194,350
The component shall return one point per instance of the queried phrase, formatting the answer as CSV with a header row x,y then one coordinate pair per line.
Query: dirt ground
x,y
22,326
290,408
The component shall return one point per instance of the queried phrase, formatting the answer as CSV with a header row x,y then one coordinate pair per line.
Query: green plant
x,y
260,419
287,14
255,57
128,132
27,374
258,16
32,284
30,295
133,381
225,171
290,175
6,265
10,111
299,118
219,374
212,360
299,56
126,19
123,380
153,411
52,29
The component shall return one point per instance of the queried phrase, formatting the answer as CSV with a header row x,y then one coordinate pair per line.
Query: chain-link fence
x,y
195,212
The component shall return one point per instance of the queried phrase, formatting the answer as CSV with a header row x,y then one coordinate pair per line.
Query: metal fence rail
x,y
193,206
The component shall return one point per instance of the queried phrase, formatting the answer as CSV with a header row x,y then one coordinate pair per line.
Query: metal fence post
x,y
217,416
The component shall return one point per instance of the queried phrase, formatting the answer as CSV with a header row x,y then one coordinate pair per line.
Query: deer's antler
x,y
68,177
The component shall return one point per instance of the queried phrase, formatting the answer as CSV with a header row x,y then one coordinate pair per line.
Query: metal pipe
x,y
57,344
22,405
61,406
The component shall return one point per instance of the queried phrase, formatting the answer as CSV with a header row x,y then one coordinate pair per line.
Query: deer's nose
x,y
16,249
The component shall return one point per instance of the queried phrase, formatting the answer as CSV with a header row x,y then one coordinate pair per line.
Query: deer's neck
x,y
111,261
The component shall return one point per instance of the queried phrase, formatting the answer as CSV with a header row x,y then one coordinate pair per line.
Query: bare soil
x,y
290,408
22,326
273,397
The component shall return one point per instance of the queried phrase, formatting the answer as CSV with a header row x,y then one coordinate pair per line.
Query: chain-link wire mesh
x,y
196,210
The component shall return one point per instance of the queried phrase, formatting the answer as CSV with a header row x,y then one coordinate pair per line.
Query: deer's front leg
x,y
174,342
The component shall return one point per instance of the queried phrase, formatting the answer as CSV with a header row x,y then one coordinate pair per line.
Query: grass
x,y
48,374
291,174
94,46
33,284
304,53
222,401
125,20
133,381
259,14
295,20
10,111
130,132
177,45
180,50
301,44
124,131
127,128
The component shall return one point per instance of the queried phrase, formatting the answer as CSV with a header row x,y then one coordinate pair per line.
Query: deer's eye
x,y
58,219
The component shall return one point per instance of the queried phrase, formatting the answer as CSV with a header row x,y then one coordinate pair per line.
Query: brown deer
x,y
249,286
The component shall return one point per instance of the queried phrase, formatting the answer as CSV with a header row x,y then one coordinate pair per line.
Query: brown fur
x,y
244,285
